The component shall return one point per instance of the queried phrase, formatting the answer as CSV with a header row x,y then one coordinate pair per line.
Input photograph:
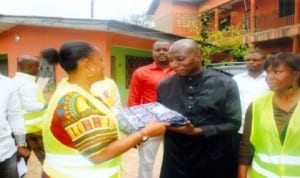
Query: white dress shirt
x,y
11,120
249,89
27,90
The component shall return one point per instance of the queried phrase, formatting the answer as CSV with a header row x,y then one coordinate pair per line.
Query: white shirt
x,y
27,90
11,120
249,89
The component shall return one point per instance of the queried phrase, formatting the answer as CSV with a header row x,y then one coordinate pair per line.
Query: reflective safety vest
x,y
65,162
34,120
272,158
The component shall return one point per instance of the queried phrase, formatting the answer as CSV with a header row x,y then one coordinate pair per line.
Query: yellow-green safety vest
x,y
34,120
64,162
272,158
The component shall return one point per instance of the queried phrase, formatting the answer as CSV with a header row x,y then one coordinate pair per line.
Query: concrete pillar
x,y
252,15
297,12
217,18
296,43
296,40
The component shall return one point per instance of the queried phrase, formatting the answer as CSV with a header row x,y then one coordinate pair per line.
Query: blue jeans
x,y
8,168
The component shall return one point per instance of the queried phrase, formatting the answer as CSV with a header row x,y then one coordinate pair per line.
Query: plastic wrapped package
x,y
136,117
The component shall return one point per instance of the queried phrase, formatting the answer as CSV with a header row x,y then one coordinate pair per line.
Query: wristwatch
x,y
145,137
22,144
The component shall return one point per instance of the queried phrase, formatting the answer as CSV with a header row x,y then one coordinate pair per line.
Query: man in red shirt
x,y
142,89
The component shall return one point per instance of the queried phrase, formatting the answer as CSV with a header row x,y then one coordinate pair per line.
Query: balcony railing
x,y
190,23
272,20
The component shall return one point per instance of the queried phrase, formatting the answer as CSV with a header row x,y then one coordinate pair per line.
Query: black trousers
x,y
8,168
236,139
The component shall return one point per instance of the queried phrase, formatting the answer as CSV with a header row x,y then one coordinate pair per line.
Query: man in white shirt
x,y
251,84
12,130
32,102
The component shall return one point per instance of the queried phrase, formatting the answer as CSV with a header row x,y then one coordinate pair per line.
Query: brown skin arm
x,y
242,171
188,129
120,146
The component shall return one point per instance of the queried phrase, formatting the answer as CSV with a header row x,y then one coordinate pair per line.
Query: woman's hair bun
x,y
51,55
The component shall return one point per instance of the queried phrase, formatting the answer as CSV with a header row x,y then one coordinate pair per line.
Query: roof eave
x,y
89,24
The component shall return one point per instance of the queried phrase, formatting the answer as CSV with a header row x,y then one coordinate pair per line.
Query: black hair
x,y
289,59
258,51
68,54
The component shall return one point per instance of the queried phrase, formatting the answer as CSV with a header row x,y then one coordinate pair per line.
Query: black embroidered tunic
x,y
210,100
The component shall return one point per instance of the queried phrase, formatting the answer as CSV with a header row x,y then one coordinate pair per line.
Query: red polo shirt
x,y
144,82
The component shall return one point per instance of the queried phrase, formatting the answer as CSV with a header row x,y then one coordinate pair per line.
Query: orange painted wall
x,y
163,14
273,47
114,39
167,9
181,8
211,4
164,8
33,39
237,15
262,7
266,6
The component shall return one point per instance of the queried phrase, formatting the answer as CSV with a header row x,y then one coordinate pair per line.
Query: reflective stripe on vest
x,y
34,121
266,173
271,157
64,161
72,166
292,160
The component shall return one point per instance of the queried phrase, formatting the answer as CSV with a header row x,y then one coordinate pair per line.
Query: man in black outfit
x,y
211,101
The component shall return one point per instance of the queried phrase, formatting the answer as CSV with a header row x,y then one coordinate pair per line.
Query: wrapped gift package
x,y
136,117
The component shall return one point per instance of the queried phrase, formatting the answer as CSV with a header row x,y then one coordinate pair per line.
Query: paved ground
x,y
130,165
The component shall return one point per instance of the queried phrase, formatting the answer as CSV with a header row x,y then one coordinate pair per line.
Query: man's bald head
x,y
185,57
28,64
184,43
27,58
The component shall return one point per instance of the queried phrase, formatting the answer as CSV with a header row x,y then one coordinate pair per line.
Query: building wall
x,y
238,14
276,46
120,52
266,20
164,8
211,4
175,18
266,6
163,16
33,39
186,19
236,11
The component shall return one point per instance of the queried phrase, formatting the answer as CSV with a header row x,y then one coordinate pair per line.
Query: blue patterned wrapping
x,y
135,118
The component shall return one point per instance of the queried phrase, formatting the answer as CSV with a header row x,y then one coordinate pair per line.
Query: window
x,y
133,62
46,78
286,7
224,23
3,64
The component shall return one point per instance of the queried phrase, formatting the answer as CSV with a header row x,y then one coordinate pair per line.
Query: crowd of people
x,y
237,127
